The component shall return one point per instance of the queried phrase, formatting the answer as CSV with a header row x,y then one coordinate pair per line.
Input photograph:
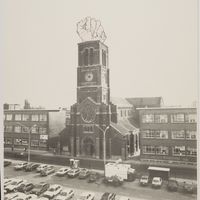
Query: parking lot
x,y
130,189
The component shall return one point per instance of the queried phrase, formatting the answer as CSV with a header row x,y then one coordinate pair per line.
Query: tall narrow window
x,y
86,57
91,61
103,57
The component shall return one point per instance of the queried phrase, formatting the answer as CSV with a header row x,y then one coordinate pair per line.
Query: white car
x,y
52,191
20,166
86,196
15,183
65,194
63,171
157,182
144,180
11,196
41,167
20,196
124,198
8,181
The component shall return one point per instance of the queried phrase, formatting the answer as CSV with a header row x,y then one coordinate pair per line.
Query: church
x,y
100,126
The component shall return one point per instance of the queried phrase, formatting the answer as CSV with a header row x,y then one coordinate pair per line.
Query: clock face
x,y
88,76
88,113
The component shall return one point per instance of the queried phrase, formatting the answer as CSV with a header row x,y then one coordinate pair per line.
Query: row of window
x,y
41,143
125,113
174,118
164,150
22,129
164,134
25,117
88,128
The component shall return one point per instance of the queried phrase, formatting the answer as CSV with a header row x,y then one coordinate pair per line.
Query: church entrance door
x,y
88,147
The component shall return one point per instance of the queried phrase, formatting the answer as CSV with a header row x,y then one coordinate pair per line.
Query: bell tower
x,y
93,72
90,115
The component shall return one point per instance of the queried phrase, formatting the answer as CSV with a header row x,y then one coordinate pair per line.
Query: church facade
x,y
94,118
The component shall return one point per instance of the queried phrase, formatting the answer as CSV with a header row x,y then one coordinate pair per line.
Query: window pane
x,y
191,118
18,117
161,118
191,135
191,151
179,150
34,143
161,150
34,118
17,129
25,129
148,150
8,141
25,117
43,143
43,117
148,118
178,134
34,130
177,118
42,130
8,128
9,117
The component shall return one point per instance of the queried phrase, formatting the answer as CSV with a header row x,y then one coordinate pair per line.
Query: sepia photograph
x,y
100,100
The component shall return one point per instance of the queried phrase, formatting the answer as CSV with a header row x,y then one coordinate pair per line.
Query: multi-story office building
x,y
42,124
168,134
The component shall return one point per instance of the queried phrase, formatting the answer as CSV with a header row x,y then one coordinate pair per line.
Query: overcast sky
x,y
152,49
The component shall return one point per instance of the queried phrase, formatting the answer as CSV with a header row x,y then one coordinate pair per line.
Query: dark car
x,y
84,173
7,163
108,196
31,167
25,187
40,188
172,185
94,176
188,187
21,154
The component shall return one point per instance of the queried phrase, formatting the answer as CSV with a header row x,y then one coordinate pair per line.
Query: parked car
x,y
47,171
84,173
40,188
172,185
15,184
63,171
31,167
21,154
65,194
124,198
93,177
86,196
73,173
30,197
20,196
114,180
7,181
41,167
156,182
188,187
144,180
108,196
11,196
7,163
25,187
52,191
20,166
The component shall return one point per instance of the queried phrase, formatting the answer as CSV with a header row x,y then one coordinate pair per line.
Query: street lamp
x,y
29,137
104,142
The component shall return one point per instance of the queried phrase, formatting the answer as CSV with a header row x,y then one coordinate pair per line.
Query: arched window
x,y
91,60
85,57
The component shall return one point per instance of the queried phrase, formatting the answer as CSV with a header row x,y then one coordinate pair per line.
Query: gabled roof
x,y
124,127
120,102
140,102
125,122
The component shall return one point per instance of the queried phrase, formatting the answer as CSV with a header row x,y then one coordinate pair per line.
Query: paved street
x,y
131,189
